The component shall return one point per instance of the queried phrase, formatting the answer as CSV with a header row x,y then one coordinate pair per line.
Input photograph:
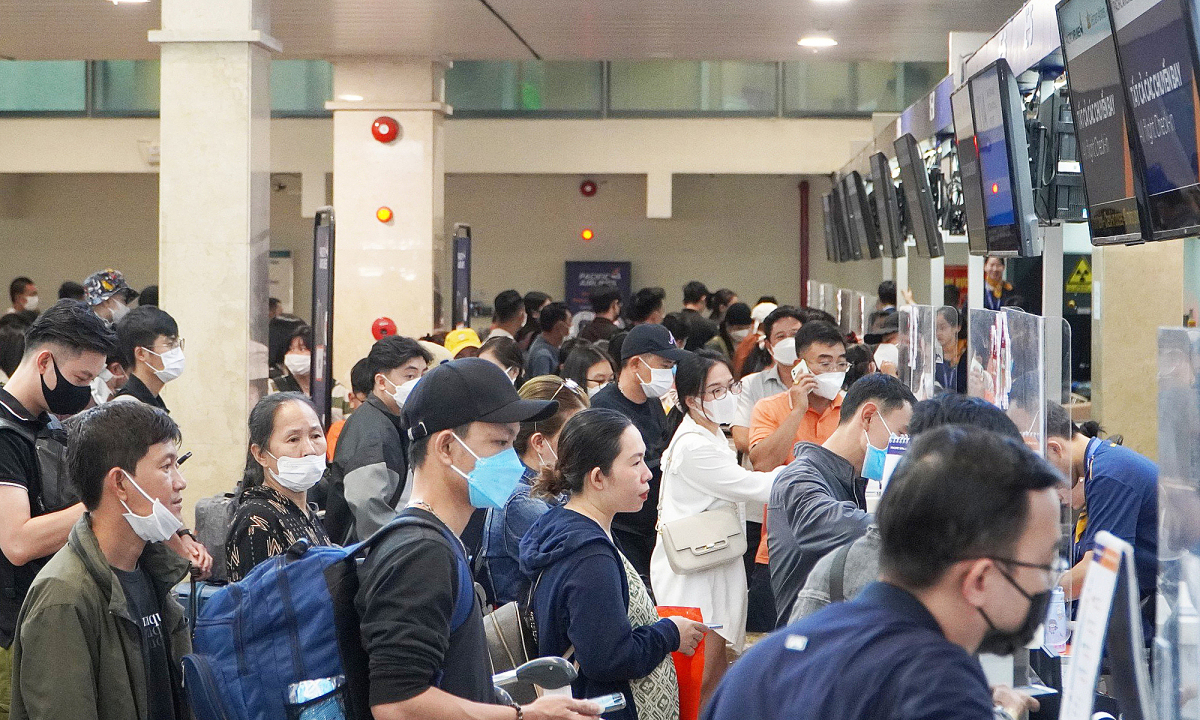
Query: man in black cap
x,y
428,658
648,357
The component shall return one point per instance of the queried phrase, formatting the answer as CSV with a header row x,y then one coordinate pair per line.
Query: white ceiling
x,y
556,29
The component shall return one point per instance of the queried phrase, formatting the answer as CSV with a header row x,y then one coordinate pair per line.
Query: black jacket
x,y
368,473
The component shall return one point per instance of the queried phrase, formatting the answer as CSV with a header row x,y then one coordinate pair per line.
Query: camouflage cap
x,y
102,285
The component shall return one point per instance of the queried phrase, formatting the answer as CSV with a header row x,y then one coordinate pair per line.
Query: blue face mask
x,y
494,478
876,458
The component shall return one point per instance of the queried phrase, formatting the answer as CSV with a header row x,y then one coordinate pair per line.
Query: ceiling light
x,y
816,41
351,98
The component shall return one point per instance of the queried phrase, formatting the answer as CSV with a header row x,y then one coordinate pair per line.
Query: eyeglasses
x,y
1054,571
598,381
828,367
172,343
568,384
734,387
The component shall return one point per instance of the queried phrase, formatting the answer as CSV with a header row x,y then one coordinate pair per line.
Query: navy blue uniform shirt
x,y
1121,491
880,656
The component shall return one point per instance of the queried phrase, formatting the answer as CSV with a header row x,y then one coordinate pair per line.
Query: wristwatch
x,y
184,531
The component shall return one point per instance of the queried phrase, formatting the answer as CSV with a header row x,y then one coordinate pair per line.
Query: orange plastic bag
x,y
689,669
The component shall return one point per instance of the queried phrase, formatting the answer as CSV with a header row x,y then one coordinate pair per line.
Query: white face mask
x,y
159,526
830,384
784,352
298,363
553,457
401,392
119,311
31,302
172,364
887,353
298,474
661,381
592,391
723,411
739,335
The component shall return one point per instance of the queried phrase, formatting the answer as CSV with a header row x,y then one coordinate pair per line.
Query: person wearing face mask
x,y
64,350
809,410
505,354
100,635
461,419
818,502
859,561
285,460
648,356
777,331
151,352
107,293
734,328
23,294
555,321
589,603
701,474
368,478
590,367
969,536
498,570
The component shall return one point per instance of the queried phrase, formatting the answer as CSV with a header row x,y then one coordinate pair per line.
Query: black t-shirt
x,y
145,610
137,389
18,468
409,584
651,421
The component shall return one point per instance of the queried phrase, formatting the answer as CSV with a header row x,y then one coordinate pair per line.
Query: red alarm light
x,y
587,234
587,188
384,214
383,327
995,188
385,129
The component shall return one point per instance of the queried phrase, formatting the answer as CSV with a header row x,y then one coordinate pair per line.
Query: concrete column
x,y
391,268
1135,291
214,213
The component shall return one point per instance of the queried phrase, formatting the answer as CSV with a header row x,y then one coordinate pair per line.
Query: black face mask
x,y
1006,642
65,398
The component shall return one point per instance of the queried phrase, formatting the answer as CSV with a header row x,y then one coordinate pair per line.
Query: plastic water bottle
x,y
1056,624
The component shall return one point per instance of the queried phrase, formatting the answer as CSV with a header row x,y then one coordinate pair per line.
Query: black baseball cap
x,y
466,391
884,325
653,339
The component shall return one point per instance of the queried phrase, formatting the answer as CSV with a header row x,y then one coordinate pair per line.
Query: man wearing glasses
x,y
969,538
817,502
151,352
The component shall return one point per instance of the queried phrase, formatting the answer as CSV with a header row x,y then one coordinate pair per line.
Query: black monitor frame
x,y
914,180
862,223
995,98
887,207
967,152
851,247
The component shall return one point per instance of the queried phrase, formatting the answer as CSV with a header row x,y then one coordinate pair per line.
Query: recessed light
x,y
816,41
351,98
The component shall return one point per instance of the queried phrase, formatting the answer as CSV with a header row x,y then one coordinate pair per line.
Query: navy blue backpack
x,y
291,619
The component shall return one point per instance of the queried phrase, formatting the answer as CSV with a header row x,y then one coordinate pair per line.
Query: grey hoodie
x,y
813,510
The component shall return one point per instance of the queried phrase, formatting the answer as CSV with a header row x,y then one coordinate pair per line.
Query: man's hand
x,y
1014,701
186,547
557,707
798,393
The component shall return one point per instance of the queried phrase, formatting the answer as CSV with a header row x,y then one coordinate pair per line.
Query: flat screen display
x,y
1156,56
914,180
853,247
968,169
862,220
1099,114
998,110
887,207
831,246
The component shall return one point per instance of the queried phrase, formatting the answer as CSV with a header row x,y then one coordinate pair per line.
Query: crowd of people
x,y
592,472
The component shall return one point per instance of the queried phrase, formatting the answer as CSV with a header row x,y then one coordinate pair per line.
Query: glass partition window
x,y
677,86
486,87
125,87
43,86
300,87
831,87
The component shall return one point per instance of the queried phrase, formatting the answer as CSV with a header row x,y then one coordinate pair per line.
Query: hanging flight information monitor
x,y
968,169
1114,184
1157,58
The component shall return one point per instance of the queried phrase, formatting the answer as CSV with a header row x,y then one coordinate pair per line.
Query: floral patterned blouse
x,y
265,525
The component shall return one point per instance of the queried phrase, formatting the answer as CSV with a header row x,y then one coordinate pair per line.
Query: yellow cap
x,y
461,338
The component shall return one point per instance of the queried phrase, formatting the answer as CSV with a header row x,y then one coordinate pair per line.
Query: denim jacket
x,y
499,571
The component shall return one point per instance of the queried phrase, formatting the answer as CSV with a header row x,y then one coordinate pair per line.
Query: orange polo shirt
x,y
815,427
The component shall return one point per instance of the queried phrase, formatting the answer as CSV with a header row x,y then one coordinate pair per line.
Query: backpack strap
x,y
837,574
464,592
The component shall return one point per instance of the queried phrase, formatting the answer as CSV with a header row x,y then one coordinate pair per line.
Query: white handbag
x,y
701,542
